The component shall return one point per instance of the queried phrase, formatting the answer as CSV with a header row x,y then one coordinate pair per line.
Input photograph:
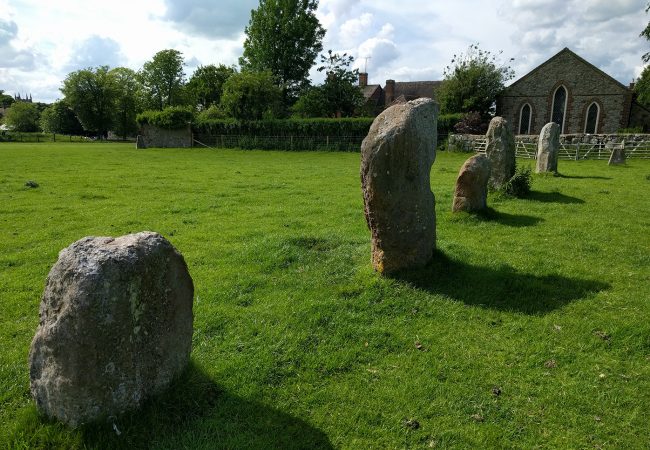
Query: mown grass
x,y
529,330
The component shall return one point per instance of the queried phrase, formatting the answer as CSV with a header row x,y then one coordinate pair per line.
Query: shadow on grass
x,y
581,177
510,220
503,288
193,413
554,197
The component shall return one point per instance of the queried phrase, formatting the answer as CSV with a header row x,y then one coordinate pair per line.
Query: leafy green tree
x,y
206,84
338,96
283,36
646,34
128,101
91,93
251,96
472,82
642,87
22,116
59,118
5,100
163,80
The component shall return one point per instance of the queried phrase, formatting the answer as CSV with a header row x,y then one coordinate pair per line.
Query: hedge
x,y
170,118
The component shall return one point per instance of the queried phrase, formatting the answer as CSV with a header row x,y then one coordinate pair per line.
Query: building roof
x,y
416,89
562,52
369,90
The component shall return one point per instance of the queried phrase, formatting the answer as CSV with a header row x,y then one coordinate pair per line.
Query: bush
x,y
286,127
447,123
520,183
170,118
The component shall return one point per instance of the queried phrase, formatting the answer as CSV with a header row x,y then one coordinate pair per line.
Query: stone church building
x,y
575,94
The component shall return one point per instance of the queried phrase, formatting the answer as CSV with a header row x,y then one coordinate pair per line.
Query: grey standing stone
x,y
548,147
500,150
618,155
396,159
139,142
115,327
471,186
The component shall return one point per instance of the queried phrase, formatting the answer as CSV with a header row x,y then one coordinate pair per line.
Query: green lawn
x,y
529,330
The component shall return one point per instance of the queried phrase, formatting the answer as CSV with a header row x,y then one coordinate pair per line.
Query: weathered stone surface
x,y
396,159
139,142
154,137
548,147
471,186
618,155
115,327
500,150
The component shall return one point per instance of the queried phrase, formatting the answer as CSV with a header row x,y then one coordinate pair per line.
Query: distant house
x,y
575,94
377,98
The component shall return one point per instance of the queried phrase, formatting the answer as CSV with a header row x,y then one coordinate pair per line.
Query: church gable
x,y
570,91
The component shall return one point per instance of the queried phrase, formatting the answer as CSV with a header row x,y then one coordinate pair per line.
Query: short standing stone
x,y
115,327
396,159
471,186
500,150
139,142
618,155
548,147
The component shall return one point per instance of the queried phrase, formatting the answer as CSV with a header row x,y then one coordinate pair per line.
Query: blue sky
x,y
41,42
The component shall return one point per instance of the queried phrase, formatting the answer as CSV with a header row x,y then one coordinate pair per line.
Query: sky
x,y
412,40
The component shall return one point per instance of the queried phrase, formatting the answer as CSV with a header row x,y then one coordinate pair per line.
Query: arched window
x,y
559,107
524,119
591,121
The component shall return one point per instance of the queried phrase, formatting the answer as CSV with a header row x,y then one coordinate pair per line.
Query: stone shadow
x,y
554,197
510,220
503,288
196,412
581,177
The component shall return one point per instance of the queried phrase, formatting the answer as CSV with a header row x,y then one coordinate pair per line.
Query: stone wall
x,y
155,137
585,84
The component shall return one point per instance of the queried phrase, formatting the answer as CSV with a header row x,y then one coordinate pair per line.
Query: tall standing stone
x,y
548,147
500,150
396,159
470,194
115,327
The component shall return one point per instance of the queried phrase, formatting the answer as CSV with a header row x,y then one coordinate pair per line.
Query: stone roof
x,y
369,90
416,89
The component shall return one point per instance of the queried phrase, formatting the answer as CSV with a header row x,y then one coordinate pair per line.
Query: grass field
x,y
529,330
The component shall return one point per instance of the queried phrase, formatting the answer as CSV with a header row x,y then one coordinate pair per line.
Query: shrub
x,y
286,127
170,118
520,183
447,122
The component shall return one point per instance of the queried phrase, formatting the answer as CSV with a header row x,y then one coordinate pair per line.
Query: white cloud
x,y
222,19
95,51
353,29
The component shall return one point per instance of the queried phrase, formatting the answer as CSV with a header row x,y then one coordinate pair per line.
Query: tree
x,y
250,96
646,34
5,100
91,93
472,82
22,116
59,118
163,80
283,36
206,84
338,96
127,101
642,87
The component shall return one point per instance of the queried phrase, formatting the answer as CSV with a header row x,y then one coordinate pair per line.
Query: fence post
x,y
222,144
577,150
291,142
327,143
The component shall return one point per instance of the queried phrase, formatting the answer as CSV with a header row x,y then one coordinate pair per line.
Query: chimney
x,y
632,84
363,79
389,92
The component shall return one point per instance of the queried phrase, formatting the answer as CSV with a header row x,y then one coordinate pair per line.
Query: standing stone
x,y
618,155
548,147
115,327
396,159
500,150
139,142
471,186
